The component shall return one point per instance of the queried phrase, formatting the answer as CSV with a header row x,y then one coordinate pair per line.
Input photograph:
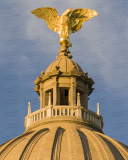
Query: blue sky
x,y
28,47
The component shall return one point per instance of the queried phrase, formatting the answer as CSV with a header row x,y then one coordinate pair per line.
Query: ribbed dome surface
x,y
64,64
63,143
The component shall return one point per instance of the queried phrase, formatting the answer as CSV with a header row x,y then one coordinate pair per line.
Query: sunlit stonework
x,y
63,128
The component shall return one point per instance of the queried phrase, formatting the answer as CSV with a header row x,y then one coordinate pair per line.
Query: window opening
x,y
63,97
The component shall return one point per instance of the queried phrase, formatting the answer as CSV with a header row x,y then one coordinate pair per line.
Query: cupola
x,y
63,91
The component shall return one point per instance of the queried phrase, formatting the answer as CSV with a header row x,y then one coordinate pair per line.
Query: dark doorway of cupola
x,y
64,96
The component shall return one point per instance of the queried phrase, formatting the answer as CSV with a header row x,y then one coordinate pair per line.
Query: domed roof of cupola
x,y
64,63
65,68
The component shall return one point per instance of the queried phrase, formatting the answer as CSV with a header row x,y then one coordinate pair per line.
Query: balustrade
x,y
64,111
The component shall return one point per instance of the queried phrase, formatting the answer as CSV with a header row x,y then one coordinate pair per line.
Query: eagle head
x,y
67,12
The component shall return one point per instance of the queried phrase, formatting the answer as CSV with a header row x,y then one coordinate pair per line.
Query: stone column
x,y
55,91
78,99
41,98
73,91
49,100
42,93
98,109
68,112
79,112
40,115
29,108
64,111
86,92
49,107
28,118
71,112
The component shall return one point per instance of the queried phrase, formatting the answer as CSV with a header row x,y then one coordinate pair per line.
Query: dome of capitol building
x,y
63,128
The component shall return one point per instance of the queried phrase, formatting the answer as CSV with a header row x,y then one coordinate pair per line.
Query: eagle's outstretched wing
x,y
79,16
48,14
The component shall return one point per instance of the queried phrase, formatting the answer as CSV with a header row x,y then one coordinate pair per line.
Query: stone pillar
x,y
42,94
68,112
73,91
64,111
34,118
40,115
28,118
29,108
78,111
98,109
86,92
49,100
49,107
41,98
78,99
55,91
71,112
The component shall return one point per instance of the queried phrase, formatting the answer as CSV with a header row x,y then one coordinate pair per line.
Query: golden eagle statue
x,y
69,22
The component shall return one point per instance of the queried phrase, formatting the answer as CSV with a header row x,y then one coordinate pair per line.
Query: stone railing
x,y
93,117
51,111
